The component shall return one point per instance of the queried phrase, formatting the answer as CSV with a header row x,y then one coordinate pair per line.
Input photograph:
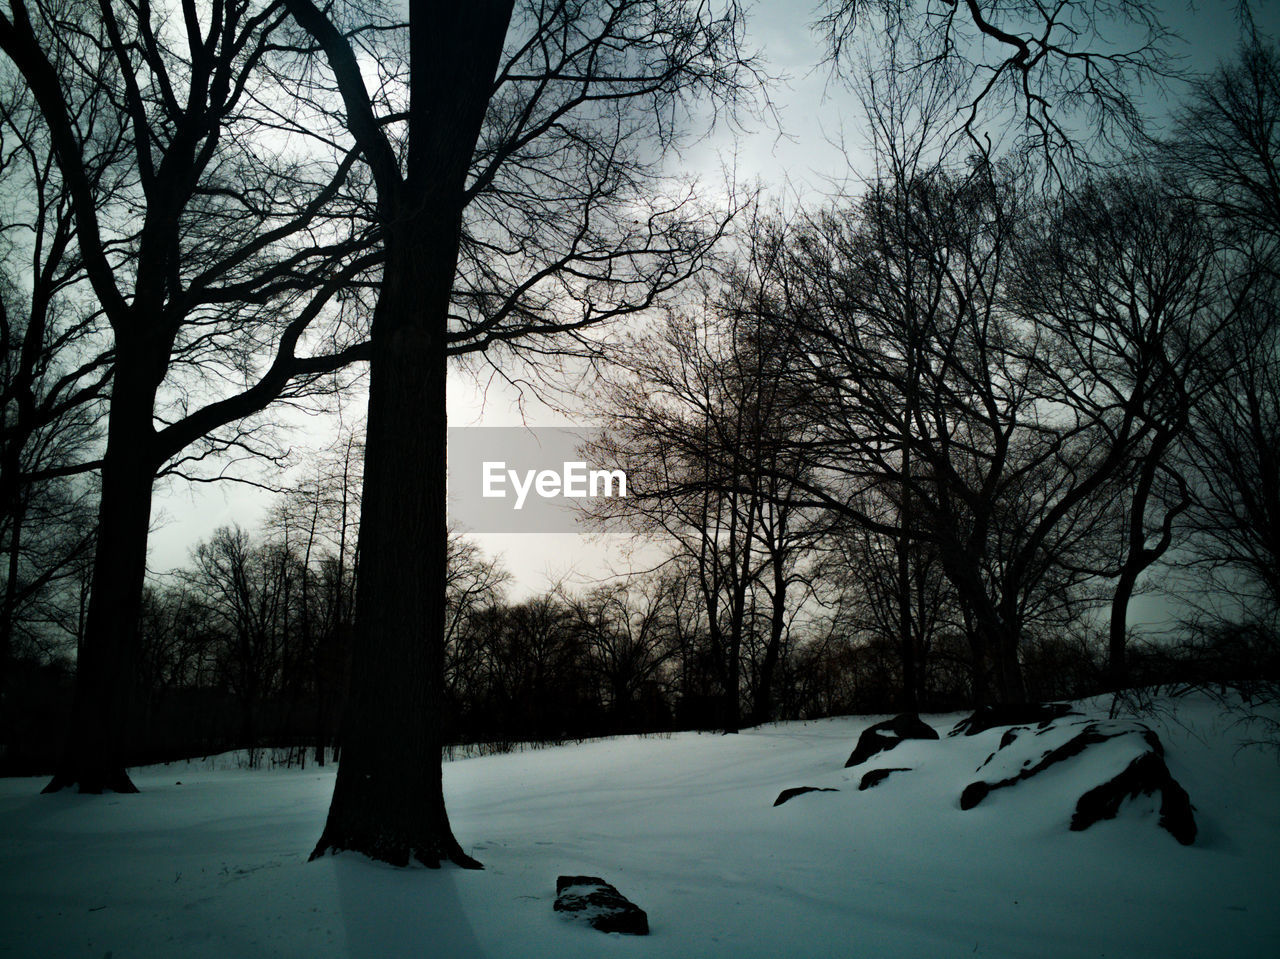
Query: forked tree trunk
x,y
993,629
1138,556
93,756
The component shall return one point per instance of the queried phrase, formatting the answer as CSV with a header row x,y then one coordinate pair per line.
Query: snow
x,y
1028,747
683,826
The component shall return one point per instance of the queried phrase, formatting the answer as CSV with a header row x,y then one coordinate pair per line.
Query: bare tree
x,y
902,310
246,587
697,418
1128,281
626,629
875,603
1226,146
54,368
521,209
1038,71
318,519
211,254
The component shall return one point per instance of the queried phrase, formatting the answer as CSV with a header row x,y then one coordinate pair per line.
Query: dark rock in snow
x,y
1146,774
593,900
1011,714
870,743
910,726
885,735
973,794
875,777
800,791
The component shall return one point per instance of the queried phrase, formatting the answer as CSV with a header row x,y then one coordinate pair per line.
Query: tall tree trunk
x,y
93,756
978,655
1006,640
737,623
388,801
1117,660
1138,556
13,507
763,703
906,638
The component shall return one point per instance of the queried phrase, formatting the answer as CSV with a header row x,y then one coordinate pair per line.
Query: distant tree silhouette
x,y
1129,283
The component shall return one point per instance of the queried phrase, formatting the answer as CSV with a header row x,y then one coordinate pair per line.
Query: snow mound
x,y
1124,758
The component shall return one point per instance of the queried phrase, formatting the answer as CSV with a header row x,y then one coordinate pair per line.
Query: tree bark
x,y
12,504
763,704
1138,556
1006,633
93,758
1117,632
388,800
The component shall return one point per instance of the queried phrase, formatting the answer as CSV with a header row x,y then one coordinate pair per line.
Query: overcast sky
x,y
798,158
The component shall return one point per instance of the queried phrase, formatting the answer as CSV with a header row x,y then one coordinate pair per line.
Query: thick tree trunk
x,y
906,635
992,639
763,703
993,628
1139,557
1117,633
1008,670
93,757
388,801
13,506
978,656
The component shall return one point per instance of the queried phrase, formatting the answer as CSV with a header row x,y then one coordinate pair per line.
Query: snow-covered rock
x,y
875,777
1124,758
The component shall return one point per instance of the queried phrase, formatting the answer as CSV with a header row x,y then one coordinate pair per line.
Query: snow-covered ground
x,y
685,827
